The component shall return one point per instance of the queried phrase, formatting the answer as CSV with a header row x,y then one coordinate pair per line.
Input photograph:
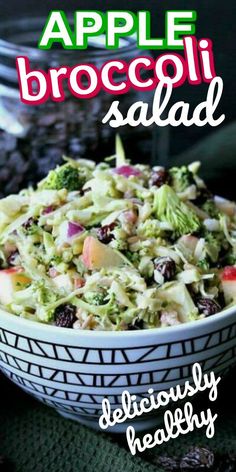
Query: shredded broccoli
x,y
210,208
181,178
149,229
33,229
65,176
106,309
213,245
113,309
169,208
203,264
35,294
132,256
45,295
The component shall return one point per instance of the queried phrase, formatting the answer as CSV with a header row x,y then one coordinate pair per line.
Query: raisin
x,y
197,458
12,258
166,266
104,233
169,464
158,178
28,223
84,191
207,306
64,315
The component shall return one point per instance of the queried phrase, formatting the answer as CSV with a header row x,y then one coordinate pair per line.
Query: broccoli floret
x,y
34,229
181,178
213,245
169,208
119,240
149,229
37,297
210,208
44,295
65,176
113,310
31,227
96,298
132,256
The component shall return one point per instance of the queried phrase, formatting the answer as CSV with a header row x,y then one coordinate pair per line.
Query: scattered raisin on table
x,y
169,464
197,458
104,233
166,266
64,315
207,306
158,178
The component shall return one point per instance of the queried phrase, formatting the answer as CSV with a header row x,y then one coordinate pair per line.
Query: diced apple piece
x,y
189,245
190,242
228,280
226,206
63,281
11,280
97,255
178,294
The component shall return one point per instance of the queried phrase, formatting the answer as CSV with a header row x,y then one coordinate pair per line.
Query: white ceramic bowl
x,y
73,370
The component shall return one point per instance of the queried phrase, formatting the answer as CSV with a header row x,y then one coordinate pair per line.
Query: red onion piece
x,y
48,209
127,171
130,216
74,229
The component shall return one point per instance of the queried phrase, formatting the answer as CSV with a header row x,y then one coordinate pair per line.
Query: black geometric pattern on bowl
x,y
76,379
163,350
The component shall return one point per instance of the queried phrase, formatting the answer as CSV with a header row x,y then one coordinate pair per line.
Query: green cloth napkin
x,y
36,439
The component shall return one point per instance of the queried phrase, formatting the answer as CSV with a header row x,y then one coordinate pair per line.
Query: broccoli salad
x,y
116,246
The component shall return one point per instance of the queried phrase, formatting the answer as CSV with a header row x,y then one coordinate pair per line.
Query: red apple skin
x,y
10,281
228,280
12,270
229,274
